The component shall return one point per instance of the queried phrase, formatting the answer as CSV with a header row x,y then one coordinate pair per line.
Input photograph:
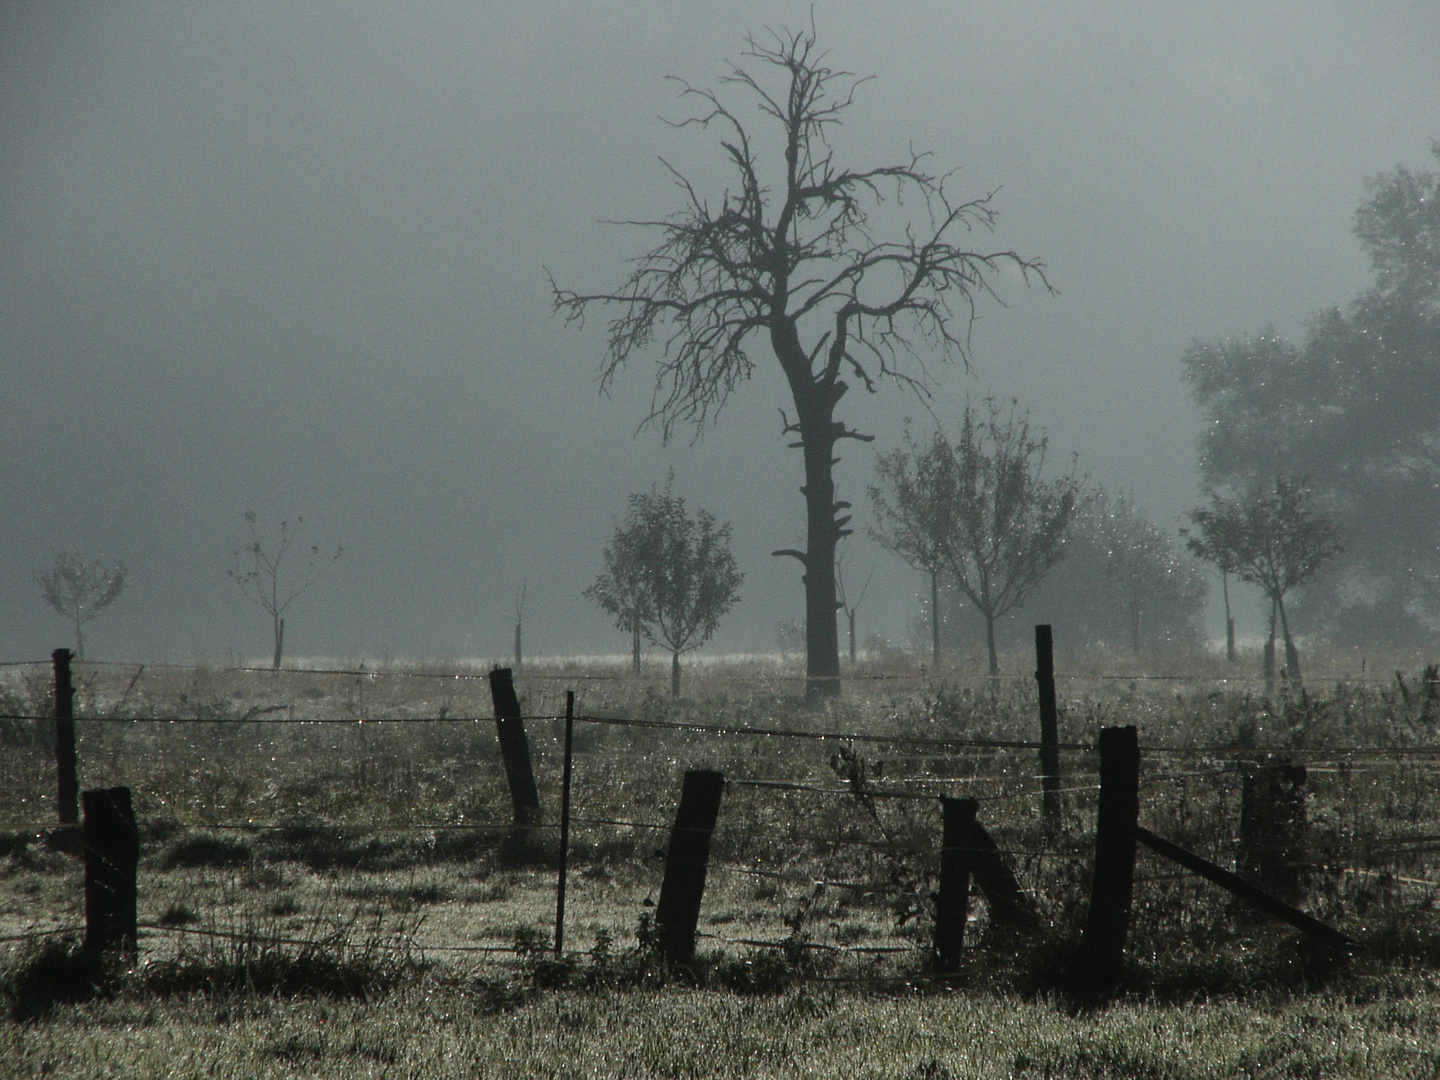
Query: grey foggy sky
x,y
289,258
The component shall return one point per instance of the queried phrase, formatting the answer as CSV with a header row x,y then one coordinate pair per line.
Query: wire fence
x,y
796,795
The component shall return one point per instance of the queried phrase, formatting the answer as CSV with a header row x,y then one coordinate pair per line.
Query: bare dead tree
x,y
842,601
261,573
793,255
519,623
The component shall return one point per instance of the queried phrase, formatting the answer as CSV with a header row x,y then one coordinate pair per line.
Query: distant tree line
x,y
1345,427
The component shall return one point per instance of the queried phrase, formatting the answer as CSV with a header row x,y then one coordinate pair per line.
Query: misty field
x,y
329,884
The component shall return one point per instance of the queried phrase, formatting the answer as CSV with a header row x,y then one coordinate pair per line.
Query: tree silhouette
x,y
914,507
668,576
792,255
260,572
997,525
1275,539
79,591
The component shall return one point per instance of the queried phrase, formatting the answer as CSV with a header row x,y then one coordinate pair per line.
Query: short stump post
x,y
112,855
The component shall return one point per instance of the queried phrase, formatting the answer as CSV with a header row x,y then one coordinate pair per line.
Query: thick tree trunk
x,y
635,646
990,644
279,644
815,403
822,534
850,615
674,674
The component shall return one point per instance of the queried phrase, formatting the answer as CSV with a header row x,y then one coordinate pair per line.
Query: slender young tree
x,y
914,507
668,574
1146,567
851,610
622,589
519,625
78,591
999,525
1010,521
798,255
1274,538
263,575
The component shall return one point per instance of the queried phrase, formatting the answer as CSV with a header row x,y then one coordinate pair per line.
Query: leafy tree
x,y
668,576
622,587
914,505
793,256
1005,525
1355,407
260,571
1148,572
1275,539
79,591
1124,584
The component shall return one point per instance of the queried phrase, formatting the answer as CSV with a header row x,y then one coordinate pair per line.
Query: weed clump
x,y
57,971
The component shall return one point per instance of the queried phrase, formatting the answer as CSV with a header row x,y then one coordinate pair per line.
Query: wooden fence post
x,y
952,904
686,861
1102,944
112,854
1273,824
514,749
564,821
67,772
1049,727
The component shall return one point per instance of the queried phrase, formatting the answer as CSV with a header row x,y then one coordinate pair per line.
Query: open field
x,y
328,885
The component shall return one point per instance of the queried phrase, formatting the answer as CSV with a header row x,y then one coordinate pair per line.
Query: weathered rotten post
x,y
112,855
1049,727
969,853
952,904
67,772
514,749
686,862
1273,824
1102,944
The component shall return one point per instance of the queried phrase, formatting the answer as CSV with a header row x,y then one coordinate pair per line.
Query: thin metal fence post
x,y
67,770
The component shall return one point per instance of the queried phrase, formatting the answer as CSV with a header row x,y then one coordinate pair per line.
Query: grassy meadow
x,y
328,883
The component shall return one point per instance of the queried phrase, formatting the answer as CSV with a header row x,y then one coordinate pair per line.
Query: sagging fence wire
x,y
1334,757
861,793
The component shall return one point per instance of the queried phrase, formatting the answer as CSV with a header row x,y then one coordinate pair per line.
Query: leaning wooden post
x,y
112,854
1102,944
514,749
1049,727
67,772
952,904
686,861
